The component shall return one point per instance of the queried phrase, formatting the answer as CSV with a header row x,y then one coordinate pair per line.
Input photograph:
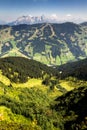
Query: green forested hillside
x,y
73,108
74,69
26,92
34,97
19,69
52,44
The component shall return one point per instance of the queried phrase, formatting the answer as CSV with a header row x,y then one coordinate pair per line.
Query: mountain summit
x,y
29,20
36,20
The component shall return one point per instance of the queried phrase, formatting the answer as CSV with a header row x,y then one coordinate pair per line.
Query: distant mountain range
x,y
29,20
34,20
40,19
49,43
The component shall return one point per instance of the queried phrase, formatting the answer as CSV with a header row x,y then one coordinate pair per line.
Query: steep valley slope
x,y
52,44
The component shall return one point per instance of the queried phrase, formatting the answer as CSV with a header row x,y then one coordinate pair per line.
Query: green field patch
x,y
4,79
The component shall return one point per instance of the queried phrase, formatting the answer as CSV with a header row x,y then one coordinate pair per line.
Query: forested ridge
x,y
34,96
19,69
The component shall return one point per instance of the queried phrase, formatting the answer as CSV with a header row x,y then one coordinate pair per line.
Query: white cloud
x,y
69,15
54,16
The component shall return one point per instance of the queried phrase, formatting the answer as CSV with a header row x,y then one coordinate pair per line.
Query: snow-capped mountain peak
x,y
29,20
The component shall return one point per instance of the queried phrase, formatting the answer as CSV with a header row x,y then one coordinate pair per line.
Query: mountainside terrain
x,y
19,69
52,44
34,97
76,69
73,109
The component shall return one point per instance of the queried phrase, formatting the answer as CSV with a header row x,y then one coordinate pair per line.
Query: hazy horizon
x,y
59,10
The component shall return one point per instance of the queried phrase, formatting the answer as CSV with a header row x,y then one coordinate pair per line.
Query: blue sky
x,y
58,9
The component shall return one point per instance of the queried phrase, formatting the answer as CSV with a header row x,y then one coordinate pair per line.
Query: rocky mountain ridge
x,y
29,20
